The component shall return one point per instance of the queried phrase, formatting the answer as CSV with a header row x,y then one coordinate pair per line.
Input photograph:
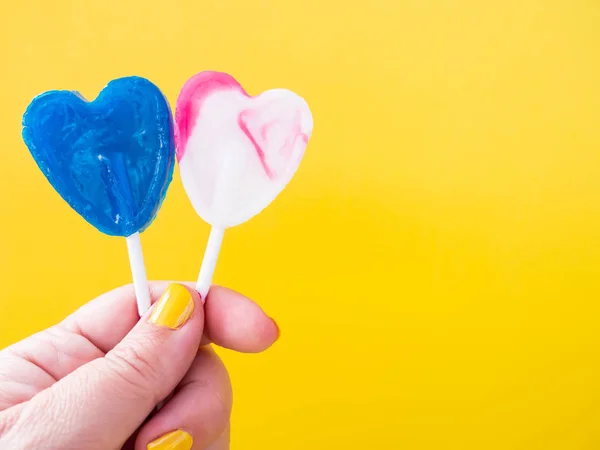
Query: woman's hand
x,y
94,380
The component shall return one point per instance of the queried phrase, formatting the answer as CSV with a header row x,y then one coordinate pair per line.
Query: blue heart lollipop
x,y
111,159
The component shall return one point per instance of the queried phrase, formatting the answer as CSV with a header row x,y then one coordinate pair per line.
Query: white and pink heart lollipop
x,y
236,152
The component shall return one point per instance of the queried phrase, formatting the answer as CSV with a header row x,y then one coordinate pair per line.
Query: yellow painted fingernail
x,y
173,309
175,440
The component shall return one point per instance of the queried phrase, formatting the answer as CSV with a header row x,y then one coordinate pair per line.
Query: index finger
x,y
231,320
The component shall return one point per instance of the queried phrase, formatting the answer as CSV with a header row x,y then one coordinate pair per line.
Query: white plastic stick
x,y
138,271
211,254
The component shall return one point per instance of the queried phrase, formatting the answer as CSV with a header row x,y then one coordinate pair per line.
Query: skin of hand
x,y
94,380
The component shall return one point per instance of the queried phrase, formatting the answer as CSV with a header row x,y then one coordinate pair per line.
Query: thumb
x,y
103,402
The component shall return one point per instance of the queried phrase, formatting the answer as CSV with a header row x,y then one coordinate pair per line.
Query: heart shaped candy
x,y
111,159
237,152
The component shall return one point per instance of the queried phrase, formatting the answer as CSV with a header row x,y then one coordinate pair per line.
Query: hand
x,y
94,380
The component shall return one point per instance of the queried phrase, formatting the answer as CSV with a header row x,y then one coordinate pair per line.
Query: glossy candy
x,y
112,158
237,152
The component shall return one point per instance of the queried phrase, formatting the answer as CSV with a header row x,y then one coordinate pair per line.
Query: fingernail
x,y
278,330
174,308
175,440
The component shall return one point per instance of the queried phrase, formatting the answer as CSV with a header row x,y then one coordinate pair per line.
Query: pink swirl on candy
x,y
242,123
286,149
190,101
237,152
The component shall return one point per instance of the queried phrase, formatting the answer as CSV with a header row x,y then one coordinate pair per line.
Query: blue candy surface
x,y
112,158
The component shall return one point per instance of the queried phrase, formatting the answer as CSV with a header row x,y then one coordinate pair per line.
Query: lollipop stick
x,y
209,262
138,271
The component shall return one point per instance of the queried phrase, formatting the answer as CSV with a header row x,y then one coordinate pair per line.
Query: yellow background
x,y
435,264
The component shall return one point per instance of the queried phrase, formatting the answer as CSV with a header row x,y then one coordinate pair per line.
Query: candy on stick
x,y
110,159
236,152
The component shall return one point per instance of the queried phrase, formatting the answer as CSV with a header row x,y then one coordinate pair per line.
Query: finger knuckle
x,y
218,386
132,364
